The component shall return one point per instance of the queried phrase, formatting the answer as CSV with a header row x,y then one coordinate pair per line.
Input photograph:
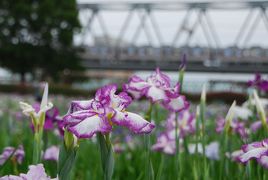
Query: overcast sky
x,y
226,22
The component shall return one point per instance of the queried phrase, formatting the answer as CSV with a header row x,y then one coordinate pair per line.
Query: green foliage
x,y
107,157
66,160
38,34
130,163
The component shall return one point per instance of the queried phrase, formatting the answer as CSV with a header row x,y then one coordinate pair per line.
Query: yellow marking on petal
x,y
184,123
109,117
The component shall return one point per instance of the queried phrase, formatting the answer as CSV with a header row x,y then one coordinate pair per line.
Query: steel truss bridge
x,y
108,53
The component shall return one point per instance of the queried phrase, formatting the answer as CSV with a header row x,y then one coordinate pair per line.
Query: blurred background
x,y
80,45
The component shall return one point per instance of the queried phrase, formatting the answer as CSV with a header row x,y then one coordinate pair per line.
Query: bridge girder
x,y
202,21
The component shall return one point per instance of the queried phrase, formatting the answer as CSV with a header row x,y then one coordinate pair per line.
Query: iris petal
x,y
133,122
90,126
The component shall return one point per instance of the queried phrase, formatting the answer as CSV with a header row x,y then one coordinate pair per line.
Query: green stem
x,y
15,167
181,77
202,118
197,139
227,149
67,155
149,171
224,149
107,157
177,153
160,169
38,135
37,147
67,158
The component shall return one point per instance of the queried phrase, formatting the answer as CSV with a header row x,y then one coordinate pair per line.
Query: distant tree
x,y
38,34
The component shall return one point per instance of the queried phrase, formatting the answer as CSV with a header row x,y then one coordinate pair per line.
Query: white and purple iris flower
x,y
35,172
86,118
235,155
15,154
255,150
185,121
157,87
259,83
166,142
236,126
255,126
51,153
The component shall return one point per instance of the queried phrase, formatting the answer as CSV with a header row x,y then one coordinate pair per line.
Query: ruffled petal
x,y
248,147
176,104
136,83
156,94
253,153
121,101
264,161
103,95
159,79
236,155
173,92
133,122
80,105
136,86
78,116
51,153
27,109
36,172
165,144
106,97
89,126
11,177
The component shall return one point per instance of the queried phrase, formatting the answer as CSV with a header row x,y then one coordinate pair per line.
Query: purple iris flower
x,y
235,155
255,150
17,154
35,172
157,87
186,123
255,126
86,118
259,83
236,126
165,143
51,153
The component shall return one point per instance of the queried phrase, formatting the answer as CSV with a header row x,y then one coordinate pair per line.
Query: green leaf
x,y
67,158
107,157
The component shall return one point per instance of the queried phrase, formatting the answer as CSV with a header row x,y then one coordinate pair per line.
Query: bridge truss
x,y
116,54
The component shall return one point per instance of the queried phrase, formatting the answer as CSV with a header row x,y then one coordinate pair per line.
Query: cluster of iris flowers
x,y
99,116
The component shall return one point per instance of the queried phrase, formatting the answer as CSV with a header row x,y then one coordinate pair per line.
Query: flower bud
x,y
229,117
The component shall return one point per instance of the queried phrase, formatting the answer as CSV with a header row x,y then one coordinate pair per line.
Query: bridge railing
x,y
255,54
